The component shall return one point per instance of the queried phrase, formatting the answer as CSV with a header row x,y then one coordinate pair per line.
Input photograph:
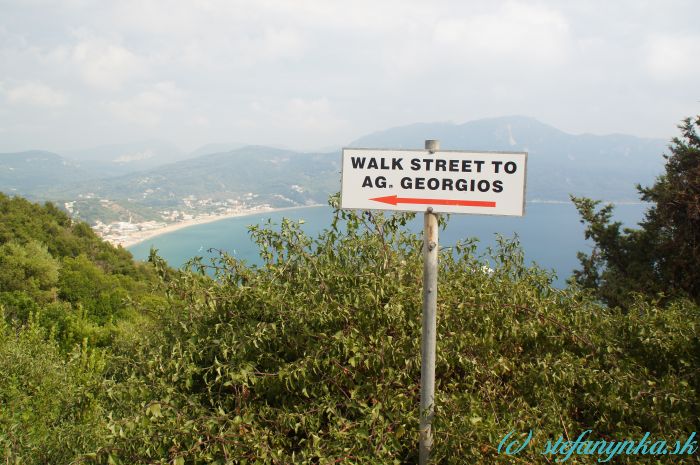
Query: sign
x,y
485,183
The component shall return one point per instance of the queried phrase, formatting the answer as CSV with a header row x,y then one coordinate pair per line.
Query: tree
x,y
27,267
663,256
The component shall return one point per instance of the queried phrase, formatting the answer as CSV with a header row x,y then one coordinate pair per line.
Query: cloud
x,y
36,94
105,65
317,69
200,120
304,123
148,107
516,31
673,58
301,114
281,43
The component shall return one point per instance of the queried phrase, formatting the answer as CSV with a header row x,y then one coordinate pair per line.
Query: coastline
x,y
136,237
140,236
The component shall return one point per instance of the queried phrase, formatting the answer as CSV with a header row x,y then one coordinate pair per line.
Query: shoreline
x,y
138,237
142,236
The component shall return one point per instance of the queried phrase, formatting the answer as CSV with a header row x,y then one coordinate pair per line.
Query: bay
x,y
550,234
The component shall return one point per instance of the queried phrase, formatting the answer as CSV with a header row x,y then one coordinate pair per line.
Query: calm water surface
x,y
550,234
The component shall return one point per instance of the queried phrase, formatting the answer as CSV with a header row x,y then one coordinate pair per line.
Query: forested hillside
x,y
313,357
59,274
34,172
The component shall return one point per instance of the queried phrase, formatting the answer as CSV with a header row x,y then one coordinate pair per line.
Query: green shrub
x,y
48,407
314,358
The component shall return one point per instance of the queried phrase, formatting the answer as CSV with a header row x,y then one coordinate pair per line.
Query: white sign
x,y
485,183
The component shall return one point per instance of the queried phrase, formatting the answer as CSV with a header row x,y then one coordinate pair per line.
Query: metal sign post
x,y
427,362
433,181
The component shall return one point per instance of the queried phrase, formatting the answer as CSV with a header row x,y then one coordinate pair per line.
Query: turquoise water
x,y
550,234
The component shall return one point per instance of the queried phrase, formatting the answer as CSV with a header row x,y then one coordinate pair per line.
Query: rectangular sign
x,y
484,183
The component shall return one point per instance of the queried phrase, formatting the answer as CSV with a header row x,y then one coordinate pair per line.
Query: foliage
x,y
49,411
27,268
70,280
662,256
314,357
22,221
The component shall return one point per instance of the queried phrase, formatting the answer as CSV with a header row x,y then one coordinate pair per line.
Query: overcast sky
x,y
311,74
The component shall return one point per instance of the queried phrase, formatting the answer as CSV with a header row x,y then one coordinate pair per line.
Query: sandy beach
x,y
136,237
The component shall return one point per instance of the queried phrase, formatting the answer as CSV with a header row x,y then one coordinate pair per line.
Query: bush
x,y
314,358
49,412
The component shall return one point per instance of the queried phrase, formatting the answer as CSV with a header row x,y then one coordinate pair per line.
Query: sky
x,y
311,74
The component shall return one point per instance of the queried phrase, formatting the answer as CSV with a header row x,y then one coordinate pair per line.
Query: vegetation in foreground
x,y
313,357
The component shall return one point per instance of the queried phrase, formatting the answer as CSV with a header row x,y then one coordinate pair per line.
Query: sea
x,y
550,234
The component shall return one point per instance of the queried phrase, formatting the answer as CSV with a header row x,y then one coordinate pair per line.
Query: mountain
x,y
245,177
263,171
150,181
215,148
603,167
117,159
33,172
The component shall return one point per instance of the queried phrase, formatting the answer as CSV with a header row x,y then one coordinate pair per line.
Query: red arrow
x,y
394,200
